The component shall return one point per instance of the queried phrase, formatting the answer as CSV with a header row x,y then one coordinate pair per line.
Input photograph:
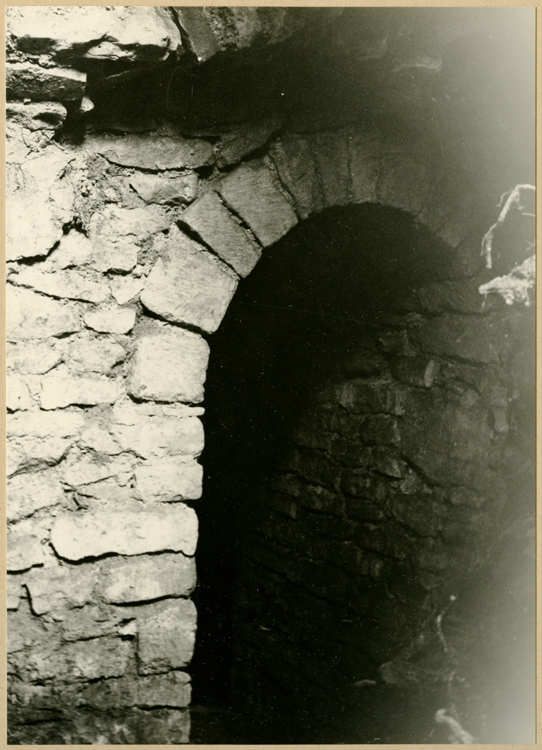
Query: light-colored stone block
x,y
143,578
24,551
78,535
60,588
169,364
110,319
169,479
157,437
157,189
61,388
28,493
33,316
189,285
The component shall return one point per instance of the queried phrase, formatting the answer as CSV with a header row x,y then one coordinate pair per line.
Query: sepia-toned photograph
x,y
271,382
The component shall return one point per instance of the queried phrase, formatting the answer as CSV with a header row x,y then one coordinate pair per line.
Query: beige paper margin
x,y
3,523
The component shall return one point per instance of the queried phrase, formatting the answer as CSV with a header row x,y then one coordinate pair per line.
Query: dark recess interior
x,y
290,327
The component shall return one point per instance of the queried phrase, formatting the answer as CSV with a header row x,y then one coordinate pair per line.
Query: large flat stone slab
x,y
189,285
156,153
169,364
24,80
223,232
76,536
253,194
144,578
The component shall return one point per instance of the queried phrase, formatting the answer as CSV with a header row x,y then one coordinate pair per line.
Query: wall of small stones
x,y
388,499
124,252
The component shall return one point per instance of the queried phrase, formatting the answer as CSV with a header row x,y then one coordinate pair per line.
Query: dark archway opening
x,y
328,548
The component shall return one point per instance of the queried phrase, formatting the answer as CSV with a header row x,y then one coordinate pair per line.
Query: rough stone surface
x,y
17,394
82,467
171,690
144,578
297,170
166,635
452,335
36,115
110,319
39,359
201,39
169,479
157,437
25,80
91,660
126,289
154,153
90,353
69,284
33,316
135,34
243,140
116,234
219,229
404,181
73,249
13,593
168,365
60,388
24,551
189,285
252,193
364,150
452,296
28,493
156,189
79,535
60,588
331,157
41,202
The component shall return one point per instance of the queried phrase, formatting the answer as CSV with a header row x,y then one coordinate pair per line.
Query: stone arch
x,y
113,291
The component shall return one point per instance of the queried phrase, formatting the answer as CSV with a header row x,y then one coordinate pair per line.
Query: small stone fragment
x,y
111,319
157,189
169,479
127,532
169,364
126,289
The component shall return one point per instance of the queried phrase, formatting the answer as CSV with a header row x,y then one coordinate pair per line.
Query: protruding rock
x,y
25,80
223,232
137,34
169,364
76,536
252,193
189,285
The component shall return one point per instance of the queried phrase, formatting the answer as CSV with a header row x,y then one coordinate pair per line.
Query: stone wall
x,y
388,496
125,245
